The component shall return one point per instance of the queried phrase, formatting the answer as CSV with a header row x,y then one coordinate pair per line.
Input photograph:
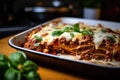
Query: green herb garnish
x,y
87,31
38,37
111,39
76,28
36,44
71,34
57,33
66,29
103,30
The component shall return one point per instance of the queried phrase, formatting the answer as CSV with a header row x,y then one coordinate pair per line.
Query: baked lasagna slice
x,y
83,41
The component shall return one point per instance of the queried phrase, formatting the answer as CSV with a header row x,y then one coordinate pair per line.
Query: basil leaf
x,y
103,30
12,74
29,66
66,29
87,31
32,75
84,32
4,65
17,58
90,33
71,34
36,44
56,33
111,39
76,28
38,37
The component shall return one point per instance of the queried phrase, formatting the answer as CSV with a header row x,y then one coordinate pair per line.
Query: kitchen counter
x,y
45,72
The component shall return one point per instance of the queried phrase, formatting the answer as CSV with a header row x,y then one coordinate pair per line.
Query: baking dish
x,y
66,63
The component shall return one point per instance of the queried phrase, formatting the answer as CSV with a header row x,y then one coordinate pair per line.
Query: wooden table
x,y
45,73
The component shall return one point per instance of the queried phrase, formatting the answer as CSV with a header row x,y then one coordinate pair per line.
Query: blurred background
x,y
20,15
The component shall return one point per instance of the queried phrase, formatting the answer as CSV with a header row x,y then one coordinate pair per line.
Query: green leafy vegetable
x,y
4,64
103,30
87,31
76,28
57,33
36,44
29,66
17,67
71,34
66,29
13,74
111,39
32,75
17,58
3,57
38,37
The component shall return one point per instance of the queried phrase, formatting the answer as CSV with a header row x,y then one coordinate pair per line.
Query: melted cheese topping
x,y
49,38
66,35
98,36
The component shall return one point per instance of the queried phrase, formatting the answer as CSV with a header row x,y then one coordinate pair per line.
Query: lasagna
x,y
81,41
